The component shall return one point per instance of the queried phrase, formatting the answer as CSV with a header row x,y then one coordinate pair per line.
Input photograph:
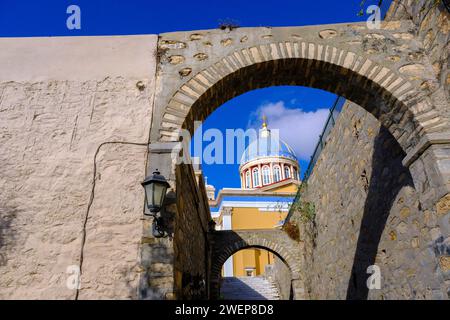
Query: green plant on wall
x,y
363,2
307,210
306,213
307,216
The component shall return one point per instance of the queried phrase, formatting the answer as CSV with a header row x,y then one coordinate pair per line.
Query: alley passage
x,y
248,288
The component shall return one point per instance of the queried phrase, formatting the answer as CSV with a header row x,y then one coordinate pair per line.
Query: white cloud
x,y
298,128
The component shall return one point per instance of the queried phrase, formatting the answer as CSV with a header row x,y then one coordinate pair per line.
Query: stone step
x,y
248,288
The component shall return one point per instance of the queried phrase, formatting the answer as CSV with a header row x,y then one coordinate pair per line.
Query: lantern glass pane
x,y
149,194
158,194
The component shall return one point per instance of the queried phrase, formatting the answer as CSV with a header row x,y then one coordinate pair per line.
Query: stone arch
x,y
380,70
227,243
391,98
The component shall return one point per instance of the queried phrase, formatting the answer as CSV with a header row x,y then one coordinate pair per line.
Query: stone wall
x,y
75,116
61,99
384,70
225,243
279,273
431,19
367,212
191,248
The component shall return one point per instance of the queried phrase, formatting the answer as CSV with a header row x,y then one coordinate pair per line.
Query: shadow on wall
x,y
7,234
388,173
156,282
130,282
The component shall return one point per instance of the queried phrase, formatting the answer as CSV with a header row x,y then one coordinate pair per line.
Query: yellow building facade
x,y
269,173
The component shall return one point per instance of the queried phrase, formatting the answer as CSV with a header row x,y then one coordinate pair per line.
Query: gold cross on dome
x,y
264,125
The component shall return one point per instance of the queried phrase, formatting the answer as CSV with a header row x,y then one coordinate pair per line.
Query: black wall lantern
x,y
155,187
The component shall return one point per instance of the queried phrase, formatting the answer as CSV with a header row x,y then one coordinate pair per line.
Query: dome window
x,y
287,172
295,175
266,175
256,177
276,174
247,179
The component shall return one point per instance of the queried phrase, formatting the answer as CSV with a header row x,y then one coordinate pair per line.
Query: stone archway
x,y
380,70
384,71
226,243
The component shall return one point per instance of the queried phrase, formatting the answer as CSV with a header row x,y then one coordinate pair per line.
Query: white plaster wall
x,y
60,98
228,265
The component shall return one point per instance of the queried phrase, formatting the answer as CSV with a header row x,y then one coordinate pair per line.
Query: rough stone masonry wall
x,y
192,255
368,212
225,243
433,30
60,99
279,273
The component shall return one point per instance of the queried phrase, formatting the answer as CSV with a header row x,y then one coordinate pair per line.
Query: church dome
x,y
267,160
267,147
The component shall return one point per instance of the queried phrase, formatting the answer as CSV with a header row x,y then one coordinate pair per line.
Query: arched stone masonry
x,y
225,243
382,70
386,71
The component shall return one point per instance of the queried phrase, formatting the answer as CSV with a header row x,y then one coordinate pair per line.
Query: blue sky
x,y
114,17
299,108
298,112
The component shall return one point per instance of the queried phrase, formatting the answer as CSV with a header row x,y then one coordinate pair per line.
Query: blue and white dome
x,y
267,160
267,147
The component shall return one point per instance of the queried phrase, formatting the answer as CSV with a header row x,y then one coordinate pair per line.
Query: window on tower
x,y
295,174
